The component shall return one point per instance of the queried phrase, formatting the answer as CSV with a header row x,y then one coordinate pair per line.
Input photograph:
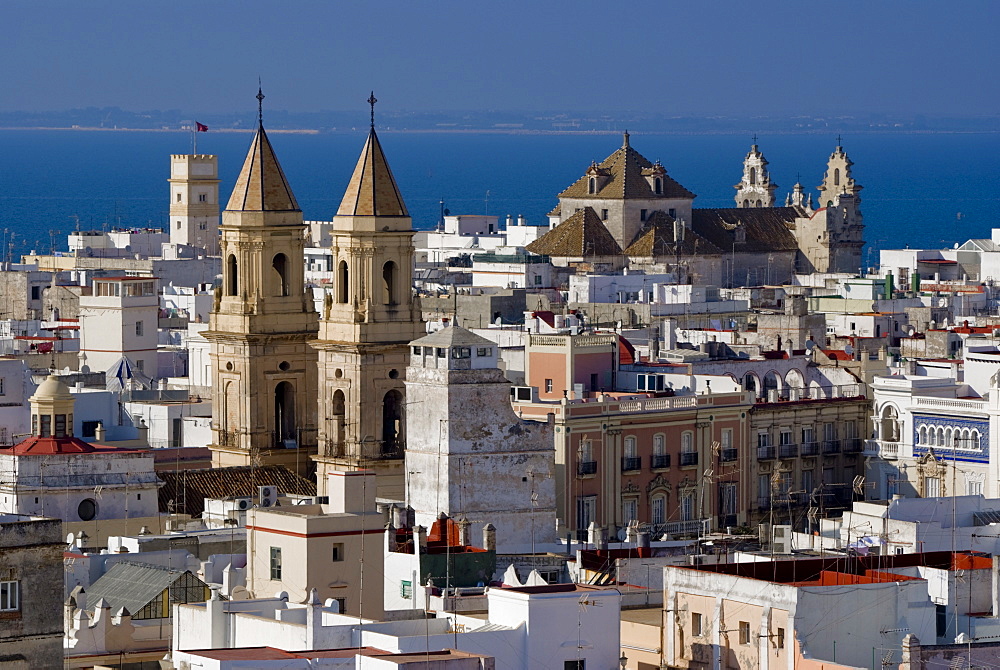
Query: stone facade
x,y
31,590
194,201
263,370
369,317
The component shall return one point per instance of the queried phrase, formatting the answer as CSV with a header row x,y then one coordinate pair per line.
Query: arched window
x,y
889,430
342,282
280,267
392,422
658,186
659,444
753,176
922,436
687,442
232,275
940,437
592,187
389,283
284,413
836,177
760,203
746,203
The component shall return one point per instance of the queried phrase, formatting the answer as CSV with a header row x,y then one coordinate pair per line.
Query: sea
x,y
921,190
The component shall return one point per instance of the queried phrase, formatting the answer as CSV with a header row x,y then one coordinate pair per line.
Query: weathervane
x,y
260,103
371,101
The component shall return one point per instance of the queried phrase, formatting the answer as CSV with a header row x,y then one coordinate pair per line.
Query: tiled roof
x,y
261,186
623,175
372,190
581,235
767,228
657,239
184,491
36,446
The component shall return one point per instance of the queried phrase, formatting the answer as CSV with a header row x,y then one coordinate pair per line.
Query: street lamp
x,y
623,660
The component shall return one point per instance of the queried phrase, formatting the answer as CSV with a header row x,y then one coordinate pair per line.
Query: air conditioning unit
x,y
243,504
696,559
267,495
781,539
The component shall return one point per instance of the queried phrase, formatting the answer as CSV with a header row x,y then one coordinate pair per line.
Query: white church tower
x,y
468,455
755,188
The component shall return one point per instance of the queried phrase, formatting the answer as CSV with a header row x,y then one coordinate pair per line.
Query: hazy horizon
x,y
686,59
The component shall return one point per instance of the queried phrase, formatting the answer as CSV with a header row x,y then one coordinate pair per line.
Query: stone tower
x,y
263,369
194,201
369,317
756,188
468,453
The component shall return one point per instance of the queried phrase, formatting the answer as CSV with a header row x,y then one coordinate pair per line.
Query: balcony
x,y
853,445
689,458
788,451
809,448
631,464
766,453
831,447
728,455
886,450
584,468
659,461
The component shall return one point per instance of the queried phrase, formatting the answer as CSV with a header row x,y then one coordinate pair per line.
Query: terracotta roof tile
x,y
623,175
766,228
185,491
657,239
581,235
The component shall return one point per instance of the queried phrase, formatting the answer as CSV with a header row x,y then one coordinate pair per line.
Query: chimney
x,y
596,537
419,540
632,534
642,539
99,433
521,221
489,537
464,536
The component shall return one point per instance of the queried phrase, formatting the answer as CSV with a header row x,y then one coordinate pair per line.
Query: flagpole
x,y
194,138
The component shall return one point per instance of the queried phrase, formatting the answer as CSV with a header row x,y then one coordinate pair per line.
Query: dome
x,y
52,389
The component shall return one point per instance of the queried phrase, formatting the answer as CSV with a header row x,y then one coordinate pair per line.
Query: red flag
x,y
202,128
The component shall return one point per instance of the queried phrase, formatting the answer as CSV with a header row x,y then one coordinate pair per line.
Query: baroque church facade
x,y
628,212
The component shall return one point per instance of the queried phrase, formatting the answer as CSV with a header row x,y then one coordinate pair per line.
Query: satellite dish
x,y
621,534
810,345
849,350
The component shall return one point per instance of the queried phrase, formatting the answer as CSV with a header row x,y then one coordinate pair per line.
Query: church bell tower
x,y
263,370
755,188
368,319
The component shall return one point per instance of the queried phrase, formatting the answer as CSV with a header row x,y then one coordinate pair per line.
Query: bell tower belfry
x,y
838,187
755,188
263,369
368,320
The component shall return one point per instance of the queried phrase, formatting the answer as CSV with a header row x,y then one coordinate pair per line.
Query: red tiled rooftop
x,y
35,445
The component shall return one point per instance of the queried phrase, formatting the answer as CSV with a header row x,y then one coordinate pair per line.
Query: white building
x,y
119,319
467,454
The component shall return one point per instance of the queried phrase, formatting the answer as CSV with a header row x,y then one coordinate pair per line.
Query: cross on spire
x,y
260,103
839,140
754,139
371,101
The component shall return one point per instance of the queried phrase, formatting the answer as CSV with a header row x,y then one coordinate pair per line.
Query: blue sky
x,y
690,58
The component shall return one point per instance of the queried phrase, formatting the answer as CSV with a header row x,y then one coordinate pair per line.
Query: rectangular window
x,y
630,447
60,425
659,515
658,445
586,511
593,381
807,435
941,620
642,215
338,552
744,632
1,387
604,215
779,638
46,430
672,212
763,486
10,600
696,625
574,665
341,605
461,352
406,589
785,437
687,507
416,351
763,440
932,487
727,498
829,431
630,510
973,488
538,280
548,386
36,292
442,353
484,351
807,481
138,328
178,197
202,197
727,438
275,562
89,429
687,443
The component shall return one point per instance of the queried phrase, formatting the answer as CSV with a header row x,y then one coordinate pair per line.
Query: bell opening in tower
x,y
284,414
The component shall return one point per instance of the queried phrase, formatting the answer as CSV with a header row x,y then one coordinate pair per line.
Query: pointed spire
x,y
372,190
625,140
261,185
